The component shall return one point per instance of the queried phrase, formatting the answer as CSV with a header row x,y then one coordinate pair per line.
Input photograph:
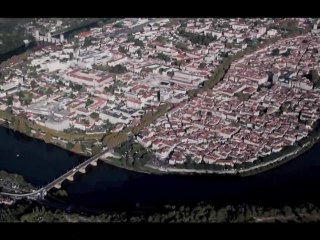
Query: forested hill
x,y
201,213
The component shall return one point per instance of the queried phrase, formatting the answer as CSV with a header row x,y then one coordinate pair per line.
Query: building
x,y
89,78
11,83
58,125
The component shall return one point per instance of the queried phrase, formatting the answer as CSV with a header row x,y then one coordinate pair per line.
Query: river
x,y
67,35
107,187
17,51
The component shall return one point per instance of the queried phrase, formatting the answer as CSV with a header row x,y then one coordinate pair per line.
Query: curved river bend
x,y
108,187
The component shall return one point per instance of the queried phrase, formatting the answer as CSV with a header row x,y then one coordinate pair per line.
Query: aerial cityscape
x,y
90,107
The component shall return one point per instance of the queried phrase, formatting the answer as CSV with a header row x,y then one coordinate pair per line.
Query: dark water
x,y
67,35
106,187
38,162
85,27
16,51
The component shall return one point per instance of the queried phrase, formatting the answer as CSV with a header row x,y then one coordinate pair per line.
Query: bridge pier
x,y
40,193
70,178
94,163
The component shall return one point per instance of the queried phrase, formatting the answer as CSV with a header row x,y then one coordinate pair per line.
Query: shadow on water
x,y
21,137
8,131
50,148
70,154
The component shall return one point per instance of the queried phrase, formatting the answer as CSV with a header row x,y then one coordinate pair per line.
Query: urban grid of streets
x,y
107,78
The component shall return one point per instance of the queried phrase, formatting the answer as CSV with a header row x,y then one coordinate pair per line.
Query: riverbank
x,y
279,161
107,187
151,169
244,172
116,163
49,136
14,183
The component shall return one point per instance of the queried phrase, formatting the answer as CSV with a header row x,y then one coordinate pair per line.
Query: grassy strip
x,y
17,123
25,126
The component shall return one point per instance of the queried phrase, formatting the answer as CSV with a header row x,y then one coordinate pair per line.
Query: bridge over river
x,y
41,192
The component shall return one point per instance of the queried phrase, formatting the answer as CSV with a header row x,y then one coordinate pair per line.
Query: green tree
x,y
33,84
69,145
96,149
182,46
287,53
179,63
49,92
101,67
61,193
87,41
130,37
28,130
161,70
161,39
118,69
170,74
83,148
315,50
222,215
192,93
241,96
195,38
76,87
275,52
139,52
163,57
76,42
139,43
314,76
94,115
9,100
202,65
118,25
122,49
27,98
89,102
287,211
